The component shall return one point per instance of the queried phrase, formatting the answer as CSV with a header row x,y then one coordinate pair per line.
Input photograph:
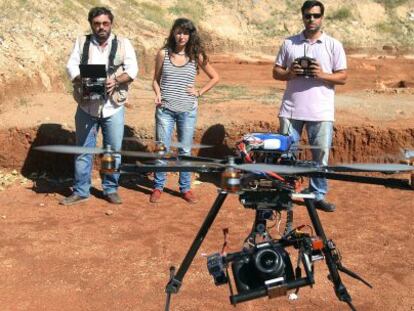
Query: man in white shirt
x,y
107,112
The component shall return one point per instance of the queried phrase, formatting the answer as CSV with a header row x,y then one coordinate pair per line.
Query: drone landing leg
x,y
353,274
340,289
175,281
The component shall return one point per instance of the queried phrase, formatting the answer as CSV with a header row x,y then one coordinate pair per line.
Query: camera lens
x,y
269,261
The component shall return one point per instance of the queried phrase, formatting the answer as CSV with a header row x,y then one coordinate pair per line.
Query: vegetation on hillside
x,y
36,35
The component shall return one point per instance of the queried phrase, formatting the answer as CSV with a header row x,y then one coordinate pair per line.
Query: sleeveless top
x,y
174,83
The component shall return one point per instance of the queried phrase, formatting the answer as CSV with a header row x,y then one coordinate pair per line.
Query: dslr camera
x,y
264,269
305,62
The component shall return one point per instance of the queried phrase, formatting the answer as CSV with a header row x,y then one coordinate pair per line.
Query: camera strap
x,y
114,47
85,52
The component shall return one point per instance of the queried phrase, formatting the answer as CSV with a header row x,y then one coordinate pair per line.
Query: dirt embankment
x,y
374,114
351,144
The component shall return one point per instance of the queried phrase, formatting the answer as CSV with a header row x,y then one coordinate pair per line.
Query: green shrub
x,y
154,13
340,14
193,10
390,4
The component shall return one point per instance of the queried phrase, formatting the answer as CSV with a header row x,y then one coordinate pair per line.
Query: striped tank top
x,y
174,83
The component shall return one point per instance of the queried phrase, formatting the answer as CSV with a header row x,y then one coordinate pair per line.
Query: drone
x,y
267,176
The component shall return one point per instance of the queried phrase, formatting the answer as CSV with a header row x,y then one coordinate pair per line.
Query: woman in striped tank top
x,y
176,97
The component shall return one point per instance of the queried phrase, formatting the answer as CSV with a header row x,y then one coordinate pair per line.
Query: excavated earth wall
x,y
351,144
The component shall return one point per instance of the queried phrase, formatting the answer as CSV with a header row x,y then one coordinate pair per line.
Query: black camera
x,y
264,266
305,62
216,267
94,89
265,269
93,79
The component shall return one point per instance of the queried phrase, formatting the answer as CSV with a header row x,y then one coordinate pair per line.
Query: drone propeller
x,y
70,149
95,150
172,144
276,168
372,167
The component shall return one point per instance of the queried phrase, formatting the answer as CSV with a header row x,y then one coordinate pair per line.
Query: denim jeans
x,y
165,120
87,128
319,134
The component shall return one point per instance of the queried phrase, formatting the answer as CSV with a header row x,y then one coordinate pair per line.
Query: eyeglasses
x,y
97,24
315,16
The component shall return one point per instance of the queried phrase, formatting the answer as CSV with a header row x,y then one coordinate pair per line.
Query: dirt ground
x,y
97,256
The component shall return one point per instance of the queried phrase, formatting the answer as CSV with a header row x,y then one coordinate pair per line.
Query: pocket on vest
x,y
120,96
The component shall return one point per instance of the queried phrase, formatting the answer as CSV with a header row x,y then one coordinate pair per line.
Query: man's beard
x,y
102,36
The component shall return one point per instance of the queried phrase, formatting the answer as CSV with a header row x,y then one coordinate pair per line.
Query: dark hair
x,y
194,46
99,10
307,5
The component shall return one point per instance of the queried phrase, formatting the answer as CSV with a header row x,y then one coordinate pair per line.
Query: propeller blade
x,y
175,144
279,169
201,164
372,167
202,159
70,149
143,154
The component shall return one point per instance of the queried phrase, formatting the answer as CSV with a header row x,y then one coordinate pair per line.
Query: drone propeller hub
x,y
230,180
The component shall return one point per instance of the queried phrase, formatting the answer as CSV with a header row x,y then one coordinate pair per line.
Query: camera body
x,y
94,89
257,271
261,266
305,62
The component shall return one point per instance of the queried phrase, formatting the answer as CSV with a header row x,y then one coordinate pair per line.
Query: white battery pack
x,y
271,144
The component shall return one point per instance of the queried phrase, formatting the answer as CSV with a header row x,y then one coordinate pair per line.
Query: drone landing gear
x,y
332,258
175,282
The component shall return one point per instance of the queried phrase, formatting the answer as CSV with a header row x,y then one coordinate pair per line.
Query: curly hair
x,y
97,11
194,47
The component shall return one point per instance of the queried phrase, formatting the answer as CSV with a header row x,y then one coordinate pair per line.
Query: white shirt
x,y
310,99
100,55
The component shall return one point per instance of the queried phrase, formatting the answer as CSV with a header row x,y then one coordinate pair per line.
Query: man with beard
x,y
309,97
107,112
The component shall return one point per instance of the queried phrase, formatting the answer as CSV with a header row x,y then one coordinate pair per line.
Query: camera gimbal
x,y
264,268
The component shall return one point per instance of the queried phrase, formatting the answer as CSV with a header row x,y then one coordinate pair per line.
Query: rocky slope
x,y
36,36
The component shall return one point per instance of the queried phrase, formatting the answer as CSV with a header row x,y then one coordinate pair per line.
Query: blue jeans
x,y
165,120
319,134
87,128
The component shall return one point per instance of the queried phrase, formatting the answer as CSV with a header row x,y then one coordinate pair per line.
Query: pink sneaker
x,y
155,196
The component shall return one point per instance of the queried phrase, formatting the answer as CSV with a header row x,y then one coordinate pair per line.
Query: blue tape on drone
x,y
273,141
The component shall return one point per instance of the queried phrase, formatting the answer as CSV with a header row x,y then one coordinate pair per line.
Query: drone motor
x,y
230,178
107,161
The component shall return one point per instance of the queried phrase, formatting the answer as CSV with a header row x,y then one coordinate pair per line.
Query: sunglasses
x,y
315,16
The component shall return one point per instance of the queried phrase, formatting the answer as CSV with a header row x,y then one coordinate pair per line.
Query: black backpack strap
x,y
114,47
85,52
